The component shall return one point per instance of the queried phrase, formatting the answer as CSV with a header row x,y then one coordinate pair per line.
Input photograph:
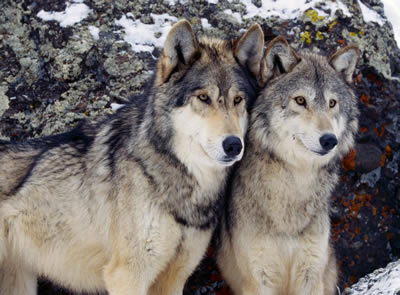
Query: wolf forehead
x,y
314,73
215,65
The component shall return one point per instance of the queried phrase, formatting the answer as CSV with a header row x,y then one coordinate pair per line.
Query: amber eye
x,y
301,101
332,103
204,98
238,99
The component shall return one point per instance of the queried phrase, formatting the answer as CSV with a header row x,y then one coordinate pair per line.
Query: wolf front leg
x,y
189,254
16,280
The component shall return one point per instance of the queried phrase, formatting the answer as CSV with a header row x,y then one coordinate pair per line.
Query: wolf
x,y
276,230
128,205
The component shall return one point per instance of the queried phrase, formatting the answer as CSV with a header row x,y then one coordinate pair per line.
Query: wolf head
x,y
201,90
308,111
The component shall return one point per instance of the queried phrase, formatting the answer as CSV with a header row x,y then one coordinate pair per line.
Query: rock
x,y
382,281
53,76
3,100
368,157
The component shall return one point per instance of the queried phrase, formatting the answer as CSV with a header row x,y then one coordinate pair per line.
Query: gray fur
x,y
275,234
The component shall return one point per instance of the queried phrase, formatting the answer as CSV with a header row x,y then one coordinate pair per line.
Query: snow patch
x,y
205,24
116,106
73,13
144,37
236,15
94,31
392,12
370,15
289,9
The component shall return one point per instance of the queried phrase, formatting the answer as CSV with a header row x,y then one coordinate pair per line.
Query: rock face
x,y
385,281
59,67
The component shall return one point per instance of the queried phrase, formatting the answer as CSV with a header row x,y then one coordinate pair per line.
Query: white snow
x,y
142,36
73,13
94,31
205,24
382,281
212,1
116,106
289,9
370,15
392,12
236,15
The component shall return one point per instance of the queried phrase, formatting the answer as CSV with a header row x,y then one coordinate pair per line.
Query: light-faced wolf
x,y
275,236
128,205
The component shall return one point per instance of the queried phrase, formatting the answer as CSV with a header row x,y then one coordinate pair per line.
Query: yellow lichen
x,y
332,24
306,37
352,34
313,15
361,33
319,36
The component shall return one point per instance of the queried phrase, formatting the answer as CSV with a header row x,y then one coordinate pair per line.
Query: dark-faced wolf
x,y
275,237
128,205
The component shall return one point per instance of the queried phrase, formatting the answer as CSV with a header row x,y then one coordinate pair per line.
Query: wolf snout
x,y
328,141
232,146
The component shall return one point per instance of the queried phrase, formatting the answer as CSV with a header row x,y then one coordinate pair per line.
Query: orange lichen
x,y
341,42
349,161
383,160
365,99
388,151
363,129
374,211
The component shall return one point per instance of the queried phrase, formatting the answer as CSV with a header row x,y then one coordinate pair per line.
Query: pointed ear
x,y
279,58
345,61
180,48
249,49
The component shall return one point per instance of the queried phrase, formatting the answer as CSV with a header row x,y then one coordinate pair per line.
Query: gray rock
x,y
368,157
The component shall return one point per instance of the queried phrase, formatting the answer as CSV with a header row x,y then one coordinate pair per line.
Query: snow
x,y
289,9
116,106
205,24
94,31
370,15
73,13
382,281
392,12
142,36
236,15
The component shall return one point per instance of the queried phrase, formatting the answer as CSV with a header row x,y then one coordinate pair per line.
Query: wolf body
x,y
276,229
128,205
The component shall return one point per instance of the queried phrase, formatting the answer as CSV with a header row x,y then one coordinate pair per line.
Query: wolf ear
x,y
249,49
345,61
180,48
279,58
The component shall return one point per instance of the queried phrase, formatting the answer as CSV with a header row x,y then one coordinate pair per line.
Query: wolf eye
x,y
238,99
204,98
301,101
332,103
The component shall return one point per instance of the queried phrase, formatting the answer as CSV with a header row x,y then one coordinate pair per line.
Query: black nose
x,y
328,141
232,146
